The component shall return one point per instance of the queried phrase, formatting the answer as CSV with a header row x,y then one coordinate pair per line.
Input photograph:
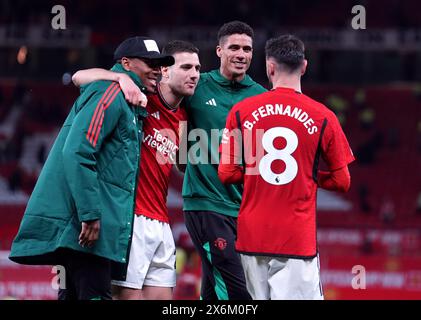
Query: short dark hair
x,y
176,46
287,50
235,27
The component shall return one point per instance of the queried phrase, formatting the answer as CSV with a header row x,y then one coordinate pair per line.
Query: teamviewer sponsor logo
x,y
163,142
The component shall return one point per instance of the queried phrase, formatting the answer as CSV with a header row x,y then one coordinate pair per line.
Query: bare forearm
x,y
85,76
131,91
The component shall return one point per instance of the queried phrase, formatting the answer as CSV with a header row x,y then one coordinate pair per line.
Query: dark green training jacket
x,y
90,173
207,111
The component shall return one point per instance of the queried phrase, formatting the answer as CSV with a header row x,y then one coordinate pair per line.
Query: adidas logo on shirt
x,y
155,115
211,102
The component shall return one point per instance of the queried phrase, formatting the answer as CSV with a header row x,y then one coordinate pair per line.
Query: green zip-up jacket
x,y
90,173
207,110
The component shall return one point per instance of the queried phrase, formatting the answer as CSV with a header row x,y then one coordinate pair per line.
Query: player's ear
x,y
304,67
125,63
270,68
165,72
218,51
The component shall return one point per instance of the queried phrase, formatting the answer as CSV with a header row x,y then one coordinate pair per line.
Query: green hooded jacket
x,y
207,111
90,173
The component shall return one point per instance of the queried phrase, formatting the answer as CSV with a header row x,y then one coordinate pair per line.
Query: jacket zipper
x,y
139,136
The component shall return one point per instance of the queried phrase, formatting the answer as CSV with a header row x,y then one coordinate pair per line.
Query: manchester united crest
x,y
220,243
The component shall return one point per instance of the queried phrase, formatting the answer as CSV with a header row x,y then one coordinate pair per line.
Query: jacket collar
x,y
218,77
119,68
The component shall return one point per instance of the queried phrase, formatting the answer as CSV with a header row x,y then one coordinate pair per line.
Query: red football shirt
x,y
159,146
284,133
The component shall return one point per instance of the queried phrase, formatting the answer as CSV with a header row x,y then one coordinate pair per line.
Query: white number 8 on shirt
x,y
291,166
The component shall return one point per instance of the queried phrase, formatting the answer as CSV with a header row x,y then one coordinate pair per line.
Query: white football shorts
x,y
273,278
152,255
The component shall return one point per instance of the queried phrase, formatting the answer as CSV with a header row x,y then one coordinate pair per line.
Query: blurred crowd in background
x,y
373,85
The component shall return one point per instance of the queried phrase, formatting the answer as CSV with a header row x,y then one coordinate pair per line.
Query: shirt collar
x,y
119,68
285,89
218,77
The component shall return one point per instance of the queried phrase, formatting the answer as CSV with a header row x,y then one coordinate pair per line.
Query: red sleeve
x,y
230,168
336,151
230,174
338,180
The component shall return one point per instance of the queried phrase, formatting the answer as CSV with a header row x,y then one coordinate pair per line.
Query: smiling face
x,y
235,52
182,77
147,70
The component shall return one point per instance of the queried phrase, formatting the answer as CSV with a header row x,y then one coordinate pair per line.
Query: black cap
x,y
142,47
